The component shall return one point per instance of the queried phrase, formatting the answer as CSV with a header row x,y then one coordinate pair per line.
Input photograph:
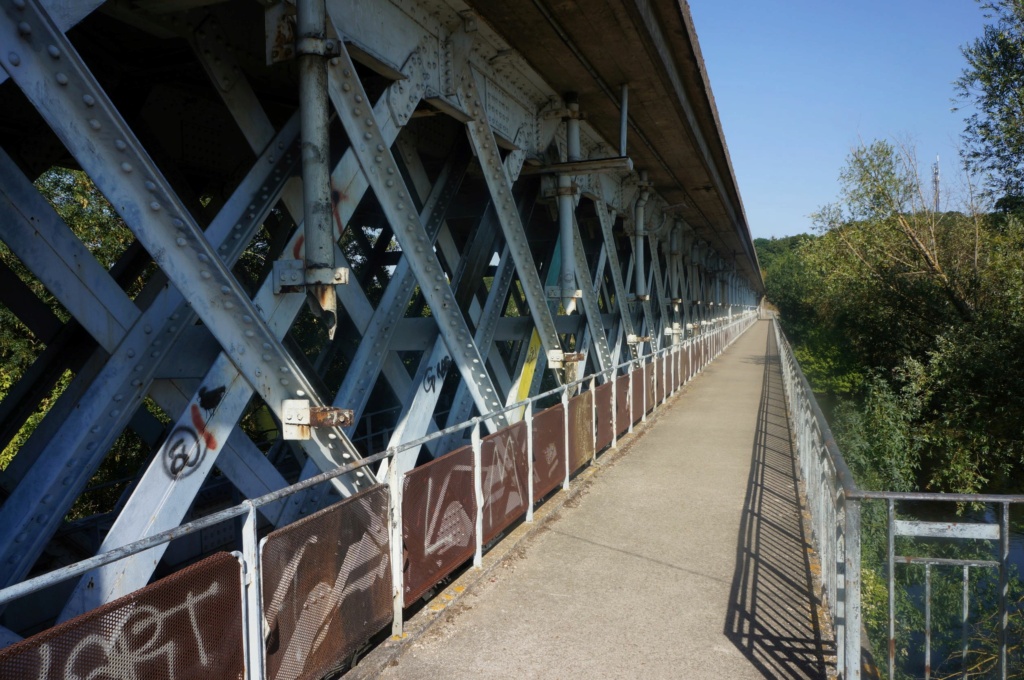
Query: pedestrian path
x,y
686,557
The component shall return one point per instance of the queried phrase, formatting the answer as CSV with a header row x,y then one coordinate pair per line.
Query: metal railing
x,y
835,503
700,350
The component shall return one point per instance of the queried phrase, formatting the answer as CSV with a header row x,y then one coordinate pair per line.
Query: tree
x,y
993,83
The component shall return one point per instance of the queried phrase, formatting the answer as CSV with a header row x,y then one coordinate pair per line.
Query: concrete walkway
x,y
685,558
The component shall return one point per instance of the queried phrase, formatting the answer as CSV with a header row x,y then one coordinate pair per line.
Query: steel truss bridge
x,y
350,229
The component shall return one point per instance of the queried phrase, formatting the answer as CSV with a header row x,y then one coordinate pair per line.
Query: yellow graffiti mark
x,y
529,367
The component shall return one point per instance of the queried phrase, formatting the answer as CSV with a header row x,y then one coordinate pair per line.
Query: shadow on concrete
x,y
773,615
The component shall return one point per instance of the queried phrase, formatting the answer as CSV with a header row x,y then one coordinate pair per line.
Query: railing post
x,y
851,583
528,417
629,395
615,408
395,540
478,491
254,662
593,418
643,393
1004,584
565,435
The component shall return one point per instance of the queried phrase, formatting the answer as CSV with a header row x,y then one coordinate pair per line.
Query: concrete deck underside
x,y
686,558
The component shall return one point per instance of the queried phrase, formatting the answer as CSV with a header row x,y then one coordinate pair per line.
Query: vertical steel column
x,y
624,119
639,232
312,49
565,205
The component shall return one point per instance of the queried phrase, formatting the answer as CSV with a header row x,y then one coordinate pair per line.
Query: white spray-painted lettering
x,y
318,606
124,656
455,527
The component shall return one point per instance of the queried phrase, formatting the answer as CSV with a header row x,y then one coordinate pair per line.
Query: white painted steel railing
x,y
713,339
834,502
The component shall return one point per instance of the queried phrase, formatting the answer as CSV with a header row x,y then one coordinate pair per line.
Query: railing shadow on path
x,y
774,615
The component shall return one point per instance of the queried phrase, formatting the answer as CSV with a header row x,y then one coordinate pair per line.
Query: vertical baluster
x,y
892,588
395,538
963,622
927,621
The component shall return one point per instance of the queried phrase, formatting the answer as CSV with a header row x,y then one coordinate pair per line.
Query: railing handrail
x,y
60,574
834,499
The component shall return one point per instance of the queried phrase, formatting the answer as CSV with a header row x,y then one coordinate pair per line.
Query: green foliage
x,y
910,322
992,83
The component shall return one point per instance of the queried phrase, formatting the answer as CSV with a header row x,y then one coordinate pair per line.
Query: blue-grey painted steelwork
x,y
433,325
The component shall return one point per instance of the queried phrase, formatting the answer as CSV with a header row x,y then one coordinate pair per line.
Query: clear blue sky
x,y
799,83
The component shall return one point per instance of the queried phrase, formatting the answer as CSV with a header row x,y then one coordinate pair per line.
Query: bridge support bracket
x,y
299,418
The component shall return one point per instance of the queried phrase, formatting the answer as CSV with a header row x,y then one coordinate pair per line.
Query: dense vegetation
x,y
908,321
912,321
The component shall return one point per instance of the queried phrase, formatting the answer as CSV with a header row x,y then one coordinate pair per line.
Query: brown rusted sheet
x,y
439,517
188,625
622,412
581,430
688,362
649,370
677,369
326,585
504,471
660,379
603,397
548,450
638,393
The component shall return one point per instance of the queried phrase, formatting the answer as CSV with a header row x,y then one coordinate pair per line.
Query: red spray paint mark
x,y
297,249
337,197
200,425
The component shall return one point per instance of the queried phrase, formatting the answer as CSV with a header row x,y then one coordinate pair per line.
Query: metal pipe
x,y
314,110
639,232
675,252
624,119
566,207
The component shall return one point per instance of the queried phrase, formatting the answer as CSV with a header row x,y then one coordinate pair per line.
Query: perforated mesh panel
x,y
548,450
188,625
603,395
439,517
660,380
637,402
326,585
649,370
504,476
622,413
581,433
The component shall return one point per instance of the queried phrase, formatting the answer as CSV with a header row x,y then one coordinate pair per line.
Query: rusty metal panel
x,y
548,450
649,370
622,413
188,625
581,430
504,472
638,393
439,518
660,379
603,396
688,362
326,586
